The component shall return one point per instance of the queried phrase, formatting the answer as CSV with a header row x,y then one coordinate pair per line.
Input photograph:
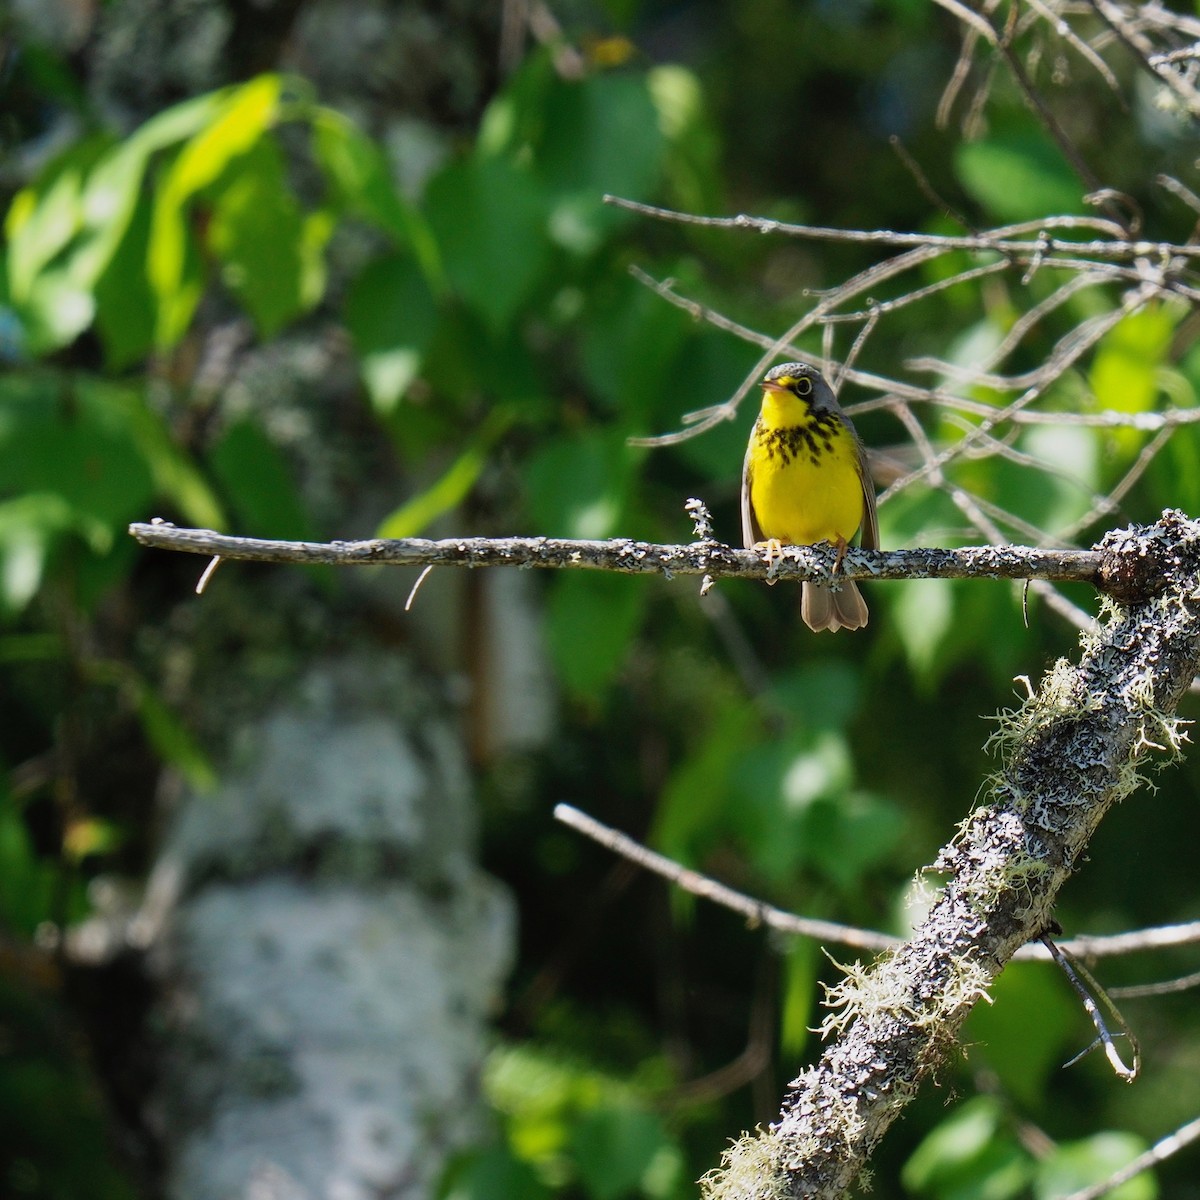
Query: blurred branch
x,y
1183,983
1075,748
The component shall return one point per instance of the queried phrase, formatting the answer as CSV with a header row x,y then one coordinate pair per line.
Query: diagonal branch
x,y
759,912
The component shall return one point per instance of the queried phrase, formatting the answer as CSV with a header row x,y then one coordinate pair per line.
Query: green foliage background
x,y
504,356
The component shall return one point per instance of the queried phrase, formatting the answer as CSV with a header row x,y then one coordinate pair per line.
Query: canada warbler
x,y
805,480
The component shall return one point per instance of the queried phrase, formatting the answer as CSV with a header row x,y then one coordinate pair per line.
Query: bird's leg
x,y
842,547
773,549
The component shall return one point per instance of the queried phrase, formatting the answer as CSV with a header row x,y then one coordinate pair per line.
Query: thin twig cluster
x,y
951,412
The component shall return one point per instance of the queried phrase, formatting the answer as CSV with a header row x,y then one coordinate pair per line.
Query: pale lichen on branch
x,y
627,556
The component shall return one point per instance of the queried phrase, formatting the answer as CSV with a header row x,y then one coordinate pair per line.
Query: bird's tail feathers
x,y
823,608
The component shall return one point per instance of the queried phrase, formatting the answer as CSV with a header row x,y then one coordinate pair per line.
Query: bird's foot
x,y
772,550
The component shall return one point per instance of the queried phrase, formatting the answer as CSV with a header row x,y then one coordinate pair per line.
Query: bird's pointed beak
x,y
772,386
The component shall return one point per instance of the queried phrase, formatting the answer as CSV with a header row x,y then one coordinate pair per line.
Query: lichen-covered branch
x,y
1076,747
629,557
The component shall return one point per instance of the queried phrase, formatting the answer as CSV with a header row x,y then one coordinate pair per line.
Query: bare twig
x,y
1093,996
207,574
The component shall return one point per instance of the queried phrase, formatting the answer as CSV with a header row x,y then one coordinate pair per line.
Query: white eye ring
x,y
803,386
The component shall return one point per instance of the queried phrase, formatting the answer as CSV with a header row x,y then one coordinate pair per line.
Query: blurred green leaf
x,y
126,310
172,741
173,262
259,484
601,134
78,249
246,112
577,484
1023,1034
256,230
177,478
692,164
631,352
1018,176
30,525
73,440
590,625
795,810
489,218
513,121
413,517
541,1091
1073,1166
492,1174
56,311
114,191
43,218
820,695
577,1124
359,177
972,1155
1128,368
615,1147
922,611
391,314
690,805
799,995
1068,470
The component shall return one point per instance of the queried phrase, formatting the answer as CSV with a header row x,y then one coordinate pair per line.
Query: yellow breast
x,y
804,475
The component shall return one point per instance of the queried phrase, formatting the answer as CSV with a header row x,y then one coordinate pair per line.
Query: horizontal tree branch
x,y
712,558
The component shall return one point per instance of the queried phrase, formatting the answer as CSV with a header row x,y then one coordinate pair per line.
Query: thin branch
x,y
1081,47
1026,239
1167,987
759,912
1052,125
755,911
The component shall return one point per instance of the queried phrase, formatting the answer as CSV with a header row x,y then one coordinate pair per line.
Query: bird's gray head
x,y
802,381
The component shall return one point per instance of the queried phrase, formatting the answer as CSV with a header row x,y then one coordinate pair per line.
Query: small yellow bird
x,y
805,480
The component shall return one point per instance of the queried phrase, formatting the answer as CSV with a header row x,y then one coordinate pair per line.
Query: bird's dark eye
x,y
802,386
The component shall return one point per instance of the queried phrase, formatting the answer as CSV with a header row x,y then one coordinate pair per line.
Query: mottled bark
x,y
327,952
